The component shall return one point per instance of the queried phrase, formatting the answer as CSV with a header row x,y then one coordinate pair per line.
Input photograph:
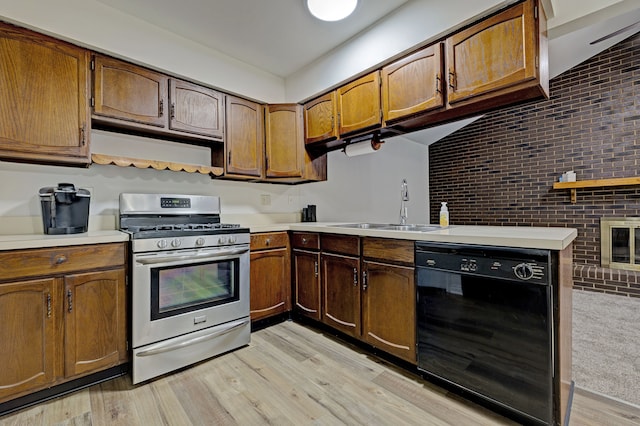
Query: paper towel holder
x,y
376,143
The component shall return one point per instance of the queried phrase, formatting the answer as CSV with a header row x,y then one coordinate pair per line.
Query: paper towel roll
x,y
361,148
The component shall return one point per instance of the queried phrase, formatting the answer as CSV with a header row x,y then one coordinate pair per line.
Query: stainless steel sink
x,y
389,227
363,225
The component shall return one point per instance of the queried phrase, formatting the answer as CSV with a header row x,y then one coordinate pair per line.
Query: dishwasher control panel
x,y
499,264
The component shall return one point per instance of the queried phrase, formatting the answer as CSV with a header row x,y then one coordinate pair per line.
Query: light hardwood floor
x,y
288,375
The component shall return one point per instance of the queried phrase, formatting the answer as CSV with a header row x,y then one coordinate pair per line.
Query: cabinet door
x,y
359,105
413,84
284,144
341,292
388,309
127,92
270,283
28,334
196,109
306,266
44,87
320,117
244,141
95,321
495,54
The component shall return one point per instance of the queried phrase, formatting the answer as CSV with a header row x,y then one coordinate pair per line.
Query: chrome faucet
x,y
404,194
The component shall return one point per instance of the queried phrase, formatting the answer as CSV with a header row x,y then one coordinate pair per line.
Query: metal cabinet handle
x,y
355,276
438,84
69,300
315,268
304,241
364,280
173,110
48,305
161,108
267,241
452,80
60,259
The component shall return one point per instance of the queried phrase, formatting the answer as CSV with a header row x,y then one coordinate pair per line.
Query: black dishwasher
x,y
485,323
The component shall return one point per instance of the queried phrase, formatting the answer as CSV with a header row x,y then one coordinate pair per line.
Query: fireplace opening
x,y
620,243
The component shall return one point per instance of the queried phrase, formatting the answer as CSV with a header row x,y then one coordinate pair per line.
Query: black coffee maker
x,y
65,209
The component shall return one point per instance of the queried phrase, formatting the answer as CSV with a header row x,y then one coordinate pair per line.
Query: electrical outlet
x,y
265,199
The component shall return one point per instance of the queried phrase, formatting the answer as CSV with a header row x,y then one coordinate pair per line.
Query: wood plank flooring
x,y
289,375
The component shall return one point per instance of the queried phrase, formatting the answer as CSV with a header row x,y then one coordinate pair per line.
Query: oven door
x,y
181,291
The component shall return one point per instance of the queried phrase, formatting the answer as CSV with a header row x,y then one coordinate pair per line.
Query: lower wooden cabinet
x,y
341,293
270,275
306,283
388,308
57,324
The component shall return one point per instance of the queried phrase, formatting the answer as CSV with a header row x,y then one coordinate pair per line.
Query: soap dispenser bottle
x,y
444,215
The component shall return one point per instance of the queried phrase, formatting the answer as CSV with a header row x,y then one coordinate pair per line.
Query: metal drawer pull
x,y
175,346
60,259
70,300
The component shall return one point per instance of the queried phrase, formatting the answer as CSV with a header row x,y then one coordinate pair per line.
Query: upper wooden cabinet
x,y
320,117
128,92
244,141
44,87
284,152
359,105
413,85
499,55
286,158
196,109
129,96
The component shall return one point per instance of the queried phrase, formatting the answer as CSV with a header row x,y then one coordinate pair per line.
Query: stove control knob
x,y
162,244
232,240
176,242
222,240
200,241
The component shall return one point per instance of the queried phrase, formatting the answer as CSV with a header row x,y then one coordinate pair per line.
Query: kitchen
x,y
336,201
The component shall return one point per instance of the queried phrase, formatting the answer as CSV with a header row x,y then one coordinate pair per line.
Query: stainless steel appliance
x,y
65,209
190,281
485,324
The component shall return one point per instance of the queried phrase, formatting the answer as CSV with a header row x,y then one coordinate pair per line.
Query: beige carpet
x,y
606,344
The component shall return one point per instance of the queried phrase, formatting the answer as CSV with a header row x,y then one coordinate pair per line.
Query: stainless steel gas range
x,y
190,281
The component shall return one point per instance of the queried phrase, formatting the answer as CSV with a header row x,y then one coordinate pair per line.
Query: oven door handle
x,y
197,256
173,346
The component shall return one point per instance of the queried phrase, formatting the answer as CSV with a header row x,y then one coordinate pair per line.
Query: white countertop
x,y
507,236
27,241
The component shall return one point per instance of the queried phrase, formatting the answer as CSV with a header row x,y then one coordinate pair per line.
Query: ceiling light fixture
x,y
331,10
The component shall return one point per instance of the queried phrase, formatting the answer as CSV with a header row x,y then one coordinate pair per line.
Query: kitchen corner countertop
x,y
29,241
506,236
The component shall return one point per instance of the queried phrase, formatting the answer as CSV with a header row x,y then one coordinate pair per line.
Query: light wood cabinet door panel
x,y
44,87
413,84
28,327
388,309
244,142
127,92
496,53
95,321
320,116
270,283
359,104
196,109
341,293
306,266
284,147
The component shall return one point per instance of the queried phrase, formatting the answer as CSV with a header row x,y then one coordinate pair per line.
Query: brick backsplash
x,y
500,169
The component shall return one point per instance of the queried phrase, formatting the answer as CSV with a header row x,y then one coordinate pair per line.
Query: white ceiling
x,y
278,36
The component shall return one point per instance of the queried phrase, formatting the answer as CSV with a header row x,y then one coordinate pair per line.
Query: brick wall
x,y
500,169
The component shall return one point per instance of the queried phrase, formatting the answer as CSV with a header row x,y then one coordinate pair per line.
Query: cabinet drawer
x,y
60,260
344,244
305,240
269,240
388,250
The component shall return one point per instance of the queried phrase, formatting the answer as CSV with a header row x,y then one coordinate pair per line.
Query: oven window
x,y
179,289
